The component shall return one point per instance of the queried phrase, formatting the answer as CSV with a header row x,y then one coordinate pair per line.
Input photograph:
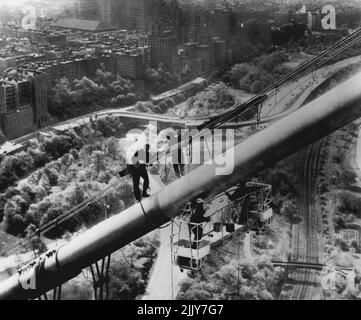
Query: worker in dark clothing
x,y
176,153
196,220
235,196
138,169
238,193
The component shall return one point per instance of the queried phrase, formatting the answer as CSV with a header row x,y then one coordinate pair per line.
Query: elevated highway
x,y
287,100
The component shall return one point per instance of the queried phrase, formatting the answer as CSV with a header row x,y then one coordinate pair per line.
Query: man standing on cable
x,y
138,169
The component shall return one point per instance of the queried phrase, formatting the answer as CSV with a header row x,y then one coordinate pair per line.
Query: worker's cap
x,y
200,200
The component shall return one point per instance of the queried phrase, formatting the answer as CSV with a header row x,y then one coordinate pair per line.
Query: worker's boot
x,y
146,194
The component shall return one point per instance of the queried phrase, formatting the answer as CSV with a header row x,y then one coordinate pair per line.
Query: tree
x,y
39,157
131,98
121,87
219,279
45,182
257,75
14,212
143,106
62,99
271,61
23,163
36,244
77,289
289,210
128,274
97,162
103,78
350,203
159,80
62,182
195,291
73,98
52,175
112,148
56,209
119,100
86,89
75,196
207,102
56,145
239,71
93,213
5,197
37,212
27,191
7,173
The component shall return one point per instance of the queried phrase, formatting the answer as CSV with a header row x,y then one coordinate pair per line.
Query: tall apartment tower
x,y
107,12
86,9
40,99
139,16
23,103
8,97
258,33
200,28
121,13
163,49
149,15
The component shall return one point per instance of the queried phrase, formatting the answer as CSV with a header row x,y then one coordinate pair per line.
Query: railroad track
x,y
305,242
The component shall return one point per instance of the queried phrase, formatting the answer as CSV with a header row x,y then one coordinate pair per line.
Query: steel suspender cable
x,y
234,113
304,68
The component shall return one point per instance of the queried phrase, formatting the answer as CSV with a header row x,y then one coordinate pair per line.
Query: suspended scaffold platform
x,y
239,209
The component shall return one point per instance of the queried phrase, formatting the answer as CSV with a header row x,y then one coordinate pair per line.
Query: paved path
x,y
165,277
247,247
160,281
292,97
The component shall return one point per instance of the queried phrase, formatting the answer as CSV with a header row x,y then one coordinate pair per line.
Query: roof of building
x,y
86,25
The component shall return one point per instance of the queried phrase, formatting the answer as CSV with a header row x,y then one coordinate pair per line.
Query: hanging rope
x,y
172,278
165,167
238,271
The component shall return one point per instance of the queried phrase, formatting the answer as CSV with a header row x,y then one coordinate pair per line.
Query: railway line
x,y
305,240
